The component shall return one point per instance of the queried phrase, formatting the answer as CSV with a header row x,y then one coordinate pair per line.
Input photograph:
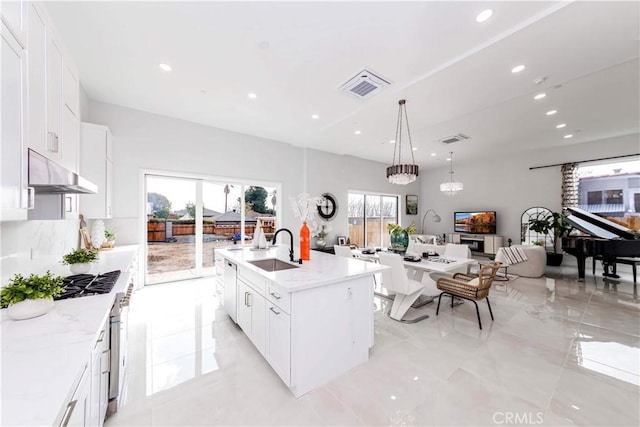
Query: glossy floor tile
x,y
560,352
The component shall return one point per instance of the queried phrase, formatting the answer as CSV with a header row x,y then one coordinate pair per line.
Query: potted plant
x,y
80,260
400,236
30,297
555,226
111,240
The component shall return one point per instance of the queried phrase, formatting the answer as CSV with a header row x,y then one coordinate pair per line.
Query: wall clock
x,y
329,206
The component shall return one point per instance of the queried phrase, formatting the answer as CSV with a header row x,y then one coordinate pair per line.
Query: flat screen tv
x,y
475,222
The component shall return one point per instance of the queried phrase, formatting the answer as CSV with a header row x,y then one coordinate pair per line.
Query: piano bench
x,y
633,262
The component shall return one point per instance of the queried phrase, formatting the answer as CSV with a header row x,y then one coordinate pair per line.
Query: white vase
x,y
29,308
80,268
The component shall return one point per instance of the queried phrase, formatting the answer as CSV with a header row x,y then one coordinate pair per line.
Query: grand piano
x,y
606,240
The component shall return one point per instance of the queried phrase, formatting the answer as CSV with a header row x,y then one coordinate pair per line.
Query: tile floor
x,y
560,352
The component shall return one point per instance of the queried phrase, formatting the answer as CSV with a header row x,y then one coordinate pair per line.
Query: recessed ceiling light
x,y
484,15
540,96
518,68
252,95
448,159
315,116
433,154
358,132
393,141
561,125
415,148
568,136
551,112
165,67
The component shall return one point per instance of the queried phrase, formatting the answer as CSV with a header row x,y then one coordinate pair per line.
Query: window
x,y
611,190
369,215
594,197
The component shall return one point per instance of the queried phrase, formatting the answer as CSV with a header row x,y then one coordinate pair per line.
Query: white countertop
x,y
43,358
322,269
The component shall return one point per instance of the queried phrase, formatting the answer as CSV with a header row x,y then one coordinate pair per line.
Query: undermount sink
x,y
272,264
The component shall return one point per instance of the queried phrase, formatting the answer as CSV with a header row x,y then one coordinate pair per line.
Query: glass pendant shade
x,y
451,187
398,172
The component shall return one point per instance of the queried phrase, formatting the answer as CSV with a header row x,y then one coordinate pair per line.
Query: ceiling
x,y
454,73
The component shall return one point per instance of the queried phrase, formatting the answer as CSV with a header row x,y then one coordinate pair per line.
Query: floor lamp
x,y
436,218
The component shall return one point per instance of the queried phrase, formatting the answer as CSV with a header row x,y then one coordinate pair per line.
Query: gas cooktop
x,y
82,285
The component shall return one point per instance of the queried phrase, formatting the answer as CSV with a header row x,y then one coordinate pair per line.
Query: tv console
x,y
483,243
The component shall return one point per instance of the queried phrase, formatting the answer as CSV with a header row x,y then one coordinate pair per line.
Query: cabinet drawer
x,y
254,279
279,297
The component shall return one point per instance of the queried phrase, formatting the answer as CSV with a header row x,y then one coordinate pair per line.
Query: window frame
x,y
365,219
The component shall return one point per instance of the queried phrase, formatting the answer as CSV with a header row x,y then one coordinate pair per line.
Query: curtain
x,y
570,183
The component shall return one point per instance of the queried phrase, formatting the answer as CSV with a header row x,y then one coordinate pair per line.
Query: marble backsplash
x,y
31,246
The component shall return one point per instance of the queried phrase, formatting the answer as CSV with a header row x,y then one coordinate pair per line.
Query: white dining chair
x,y
406,290
343,251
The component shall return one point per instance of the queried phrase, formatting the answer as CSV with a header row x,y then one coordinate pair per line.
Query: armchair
x,y
472,288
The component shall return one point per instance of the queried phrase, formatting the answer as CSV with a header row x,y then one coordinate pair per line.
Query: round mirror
x,y
528,237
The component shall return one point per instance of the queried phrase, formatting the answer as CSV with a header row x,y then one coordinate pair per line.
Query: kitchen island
x,y
47,360
311,321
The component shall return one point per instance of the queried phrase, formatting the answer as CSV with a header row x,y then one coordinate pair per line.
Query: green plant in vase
x,y
400,236
30,297
555,226
80,260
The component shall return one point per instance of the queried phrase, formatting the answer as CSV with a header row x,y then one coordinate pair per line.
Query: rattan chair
x,y
472,288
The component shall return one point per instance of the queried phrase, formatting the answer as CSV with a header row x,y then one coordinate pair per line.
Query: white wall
x,y
149,141
505,184
337,174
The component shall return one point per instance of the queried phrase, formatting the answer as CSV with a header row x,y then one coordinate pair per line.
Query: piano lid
x,y
597,226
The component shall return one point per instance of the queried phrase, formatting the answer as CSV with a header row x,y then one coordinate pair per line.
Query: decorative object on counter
x,y
305,243
399,173
235,238
411,204
451,187
328,207
80,260
304,207
400,236
320,232
97,233
110,242
84,232
30,297
259,240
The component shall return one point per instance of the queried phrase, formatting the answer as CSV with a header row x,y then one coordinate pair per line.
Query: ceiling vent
x,y
454,138
365,84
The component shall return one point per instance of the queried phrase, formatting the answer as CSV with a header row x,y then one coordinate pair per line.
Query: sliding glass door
x,y
189,218
369,215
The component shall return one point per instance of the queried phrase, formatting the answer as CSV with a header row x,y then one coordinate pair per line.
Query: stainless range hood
x,y
48,177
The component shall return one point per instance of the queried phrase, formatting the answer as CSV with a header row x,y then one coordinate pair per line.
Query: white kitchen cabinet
x,y
71,87
55,103
99,396
37,79
96,165
278,351
76,414
251,314
13,172
13,15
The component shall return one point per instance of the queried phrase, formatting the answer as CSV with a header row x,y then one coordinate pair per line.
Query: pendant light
x,y
399,173
451,187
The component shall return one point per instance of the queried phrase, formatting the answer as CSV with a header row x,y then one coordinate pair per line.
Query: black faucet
x,y
273,241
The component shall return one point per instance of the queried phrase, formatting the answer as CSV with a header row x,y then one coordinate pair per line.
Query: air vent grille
x,y
454,138
364,84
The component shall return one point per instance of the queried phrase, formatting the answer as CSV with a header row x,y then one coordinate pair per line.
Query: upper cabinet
x,y
96,165
12,130
13,14
53,85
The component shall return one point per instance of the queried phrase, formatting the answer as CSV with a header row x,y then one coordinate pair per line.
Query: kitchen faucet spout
x,y
273,241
